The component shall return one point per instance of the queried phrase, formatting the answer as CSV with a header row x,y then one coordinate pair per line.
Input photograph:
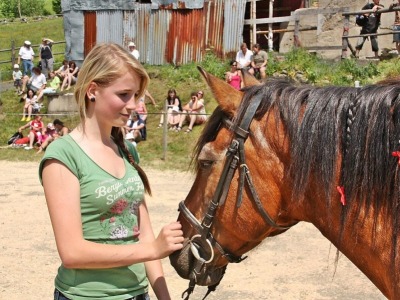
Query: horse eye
x,y
206,164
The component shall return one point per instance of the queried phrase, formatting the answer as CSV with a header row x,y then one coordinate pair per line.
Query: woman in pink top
x,y
233,76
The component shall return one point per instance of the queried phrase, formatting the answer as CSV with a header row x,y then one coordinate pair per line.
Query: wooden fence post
x,y
12,52
165,131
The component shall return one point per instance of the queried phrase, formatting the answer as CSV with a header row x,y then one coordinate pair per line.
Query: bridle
x,y
235,160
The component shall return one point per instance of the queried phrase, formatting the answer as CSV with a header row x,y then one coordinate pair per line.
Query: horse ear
x,y
248,79
227,97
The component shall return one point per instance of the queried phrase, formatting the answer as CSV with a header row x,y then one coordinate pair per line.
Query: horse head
x,y
223,216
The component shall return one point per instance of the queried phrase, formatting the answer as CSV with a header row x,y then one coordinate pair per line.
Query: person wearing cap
x,y
17,78
26,55
133,50
46,56
60,130
135,125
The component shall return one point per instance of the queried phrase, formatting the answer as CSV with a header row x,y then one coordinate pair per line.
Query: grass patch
x,y
34,31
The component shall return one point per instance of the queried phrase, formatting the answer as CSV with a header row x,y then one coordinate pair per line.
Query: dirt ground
x,y
296,265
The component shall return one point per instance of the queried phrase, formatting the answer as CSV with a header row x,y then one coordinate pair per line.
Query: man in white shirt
x,y
133,50
243,57
26,54
36,83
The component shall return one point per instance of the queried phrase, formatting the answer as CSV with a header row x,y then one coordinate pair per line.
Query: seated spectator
x,y
71,76
52,86
63,70
60,130
233,77
258,61
141,110
36,128
48,132
243,57
135,126
30,101
17,78
36,83
174,108
194,112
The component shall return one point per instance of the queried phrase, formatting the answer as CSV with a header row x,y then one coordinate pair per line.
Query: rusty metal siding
x,y
90,31
109,25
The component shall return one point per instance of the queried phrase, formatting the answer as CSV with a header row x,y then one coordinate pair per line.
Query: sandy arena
x,y
296,265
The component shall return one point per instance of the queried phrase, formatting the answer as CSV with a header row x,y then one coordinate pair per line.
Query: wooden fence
x,y
13,50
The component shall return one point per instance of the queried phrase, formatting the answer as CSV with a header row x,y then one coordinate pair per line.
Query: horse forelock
x,y
348,130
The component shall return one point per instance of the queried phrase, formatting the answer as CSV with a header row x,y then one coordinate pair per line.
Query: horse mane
x,y
356,129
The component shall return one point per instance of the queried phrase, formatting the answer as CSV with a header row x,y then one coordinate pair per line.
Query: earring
x,y
92,99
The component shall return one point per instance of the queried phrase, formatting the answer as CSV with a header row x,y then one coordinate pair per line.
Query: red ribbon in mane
x,y
340,189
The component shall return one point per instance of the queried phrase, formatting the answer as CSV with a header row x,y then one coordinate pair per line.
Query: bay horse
x,y
277,153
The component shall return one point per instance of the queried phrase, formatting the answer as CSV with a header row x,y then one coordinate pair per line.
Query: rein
x,y
235,160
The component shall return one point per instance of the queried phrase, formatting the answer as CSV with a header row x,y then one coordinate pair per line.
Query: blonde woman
x,y
94,190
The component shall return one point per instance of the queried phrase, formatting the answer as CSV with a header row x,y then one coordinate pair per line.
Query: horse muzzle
x,y
185,263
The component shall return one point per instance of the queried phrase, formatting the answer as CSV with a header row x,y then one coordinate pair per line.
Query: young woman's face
x,y
115,103
30,94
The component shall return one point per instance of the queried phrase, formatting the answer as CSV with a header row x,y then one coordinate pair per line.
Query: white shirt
x,y
135,54
26,53
244,59
38,80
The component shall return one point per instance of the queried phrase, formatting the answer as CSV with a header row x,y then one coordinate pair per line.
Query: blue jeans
x,y
27,65
59,296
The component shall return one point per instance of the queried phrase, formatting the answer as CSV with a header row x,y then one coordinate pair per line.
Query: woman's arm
x,y
75,71
76,252
154,269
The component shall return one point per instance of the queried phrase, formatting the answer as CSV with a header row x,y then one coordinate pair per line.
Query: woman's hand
x,y
169,239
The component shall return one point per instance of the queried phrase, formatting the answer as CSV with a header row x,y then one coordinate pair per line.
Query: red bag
x,y
24,140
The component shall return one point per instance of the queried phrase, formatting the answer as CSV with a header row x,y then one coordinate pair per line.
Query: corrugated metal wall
x,y
177,36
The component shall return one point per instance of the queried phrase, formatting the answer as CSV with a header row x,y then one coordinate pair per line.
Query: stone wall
x,y
331,29
61,104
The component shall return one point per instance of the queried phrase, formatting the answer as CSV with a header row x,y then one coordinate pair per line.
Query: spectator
x,y
26,54
36,128
133,50
243,57
46,56
17,77
371,26
37,82
174,108
194,112
71,76
141,110
52,86
63,70
30,101
396,26
135,126
233,76
258,61
60,130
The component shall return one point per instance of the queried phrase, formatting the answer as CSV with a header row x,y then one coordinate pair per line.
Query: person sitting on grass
x,y
36,83
60,130
70,77
30,101
63,70
194,112
36,128
52,86
135,125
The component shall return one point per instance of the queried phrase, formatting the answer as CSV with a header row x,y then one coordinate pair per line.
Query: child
x,y
17,77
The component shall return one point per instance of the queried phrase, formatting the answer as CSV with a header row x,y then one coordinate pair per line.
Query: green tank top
x,y
109,210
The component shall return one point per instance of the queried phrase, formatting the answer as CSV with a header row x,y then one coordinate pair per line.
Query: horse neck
x,y
370,251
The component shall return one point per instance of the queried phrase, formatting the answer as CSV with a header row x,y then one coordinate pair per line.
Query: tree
x,y
19,8
57,6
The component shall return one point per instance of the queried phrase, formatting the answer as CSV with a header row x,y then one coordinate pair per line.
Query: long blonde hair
x,y
104,64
